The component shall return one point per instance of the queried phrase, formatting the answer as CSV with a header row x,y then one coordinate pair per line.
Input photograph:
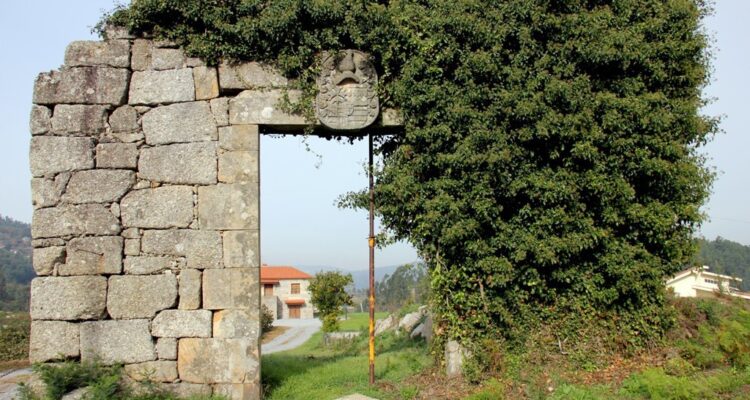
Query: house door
x,y
294,311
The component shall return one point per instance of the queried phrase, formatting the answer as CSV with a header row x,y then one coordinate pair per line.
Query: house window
x,y
295,288
267,290
713,281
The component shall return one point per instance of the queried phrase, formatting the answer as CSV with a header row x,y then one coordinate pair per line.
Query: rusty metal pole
x,y
371,242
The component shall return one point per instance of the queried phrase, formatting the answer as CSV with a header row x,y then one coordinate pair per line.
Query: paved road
x,y
9,382
300,330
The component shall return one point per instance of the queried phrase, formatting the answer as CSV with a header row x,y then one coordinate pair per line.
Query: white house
x,y
285,292
698,282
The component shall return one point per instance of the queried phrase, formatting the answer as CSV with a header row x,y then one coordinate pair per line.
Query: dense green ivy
x,y
549,161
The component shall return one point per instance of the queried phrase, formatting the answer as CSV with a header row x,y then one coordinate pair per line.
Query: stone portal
x,y
146,214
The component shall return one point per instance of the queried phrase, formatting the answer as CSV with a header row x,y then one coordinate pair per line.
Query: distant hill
x,y
361,277
16,271
726,257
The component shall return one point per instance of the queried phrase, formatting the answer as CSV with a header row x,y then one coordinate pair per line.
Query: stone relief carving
x,y
347,95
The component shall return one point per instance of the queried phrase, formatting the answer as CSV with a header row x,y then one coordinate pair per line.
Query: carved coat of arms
x,y
347,96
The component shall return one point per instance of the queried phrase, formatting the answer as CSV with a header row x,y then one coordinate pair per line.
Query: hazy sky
x,y
301,225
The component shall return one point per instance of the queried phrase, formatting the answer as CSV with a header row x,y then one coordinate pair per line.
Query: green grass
x,y
314,371
359,321
14,335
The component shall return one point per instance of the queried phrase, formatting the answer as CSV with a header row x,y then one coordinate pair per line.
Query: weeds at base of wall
x,y
101,383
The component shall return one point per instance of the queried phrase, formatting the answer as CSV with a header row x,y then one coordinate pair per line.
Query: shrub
x,y
551,150
266,319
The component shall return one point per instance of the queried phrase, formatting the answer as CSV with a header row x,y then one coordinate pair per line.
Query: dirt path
x,y
9,381
300,330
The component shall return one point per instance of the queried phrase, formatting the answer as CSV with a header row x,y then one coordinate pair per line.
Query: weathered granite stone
x,y
185,390
218,360
182,323
153,371
51,154
385,324
249,75
455,355
147,265
238,167
235,324
101,255
84,85
53,340
166,348
206,83
125,137
69,298
114,32
190,163
114,208
131,297
220,110
79,119
45,259
117,155
99,186
347,98
78,394
144,184
65,220
228,206
47,192
164,207
180,123
233,288
194,62
113,342
114,53
190,289
409,321
163,59
39,121
239,391
239,137
160,87
39,243
241,249
263,108
141,55
131,233
132,247
124,120
201,248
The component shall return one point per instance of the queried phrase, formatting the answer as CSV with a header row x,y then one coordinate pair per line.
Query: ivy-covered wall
x,y
550,159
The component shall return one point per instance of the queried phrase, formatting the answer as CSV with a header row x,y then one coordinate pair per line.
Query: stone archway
x,y
146,212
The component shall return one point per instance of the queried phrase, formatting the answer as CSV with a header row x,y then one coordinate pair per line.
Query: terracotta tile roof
x,y
294,301
273,274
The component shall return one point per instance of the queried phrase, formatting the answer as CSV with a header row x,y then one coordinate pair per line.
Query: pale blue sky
x,y
301,225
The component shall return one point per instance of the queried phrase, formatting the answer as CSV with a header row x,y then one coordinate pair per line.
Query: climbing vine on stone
x,y
549,162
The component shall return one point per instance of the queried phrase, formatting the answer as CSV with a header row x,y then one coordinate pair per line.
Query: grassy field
x,y
314,371
359,321
14,340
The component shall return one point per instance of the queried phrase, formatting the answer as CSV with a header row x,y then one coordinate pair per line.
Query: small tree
x,y
329,295
266,319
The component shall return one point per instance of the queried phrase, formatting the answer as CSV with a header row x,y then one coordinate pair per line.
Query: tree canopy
x,y
549,159
328,294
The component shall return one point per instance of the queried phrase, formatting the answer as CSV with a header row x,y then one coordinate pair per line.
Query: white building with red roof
x,y
284,291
